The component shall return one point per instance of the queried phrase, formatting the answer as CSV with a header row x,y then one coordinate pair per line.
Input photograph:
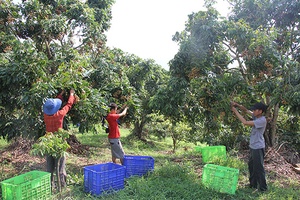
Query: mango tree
x,y
271,55
47,46
242,58
171,101
146,78
128,81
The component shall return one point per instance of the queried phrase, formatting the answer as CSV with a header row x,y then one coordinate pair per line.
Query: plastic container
x,y
220,178
138,165
199,148
28,186
107,177
211,153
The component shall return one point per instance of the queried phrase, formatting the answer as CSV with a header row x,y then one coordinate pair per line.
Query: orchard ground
x,y
93,148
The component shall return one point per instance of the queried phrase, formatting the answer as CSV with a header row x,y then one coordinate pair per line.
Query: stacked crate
x,y
110,177
219,178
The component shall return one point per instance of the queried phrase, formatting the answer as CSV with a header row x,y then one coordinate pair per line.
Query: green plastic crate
x,y
220,178
210,153
199,148
29,186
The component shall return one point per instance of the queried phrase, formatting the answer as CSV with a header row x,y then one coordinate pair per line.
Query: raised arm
x,y
241,118
69,104
124,112
242,108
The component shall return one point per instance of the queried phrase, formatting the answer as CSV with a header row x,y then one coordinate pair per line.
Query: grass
x,y
176,175
3,143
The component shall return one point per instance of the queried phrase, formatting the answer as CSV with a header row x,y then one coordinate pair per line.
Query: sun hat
x,y
51,106
259,106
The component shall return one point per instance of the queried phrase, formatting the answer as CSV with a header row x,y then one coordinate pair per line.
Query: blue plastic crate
x,y
107,177
138,165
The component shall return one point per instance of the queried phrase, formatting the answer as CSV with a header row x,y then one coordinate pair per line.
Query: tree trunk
x,y
270,133
273,125
173,135
138,128
174,144
266,135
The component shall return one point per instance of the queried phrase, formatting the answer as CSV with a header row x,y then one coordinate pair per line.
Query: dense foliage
x,y
52,144
251,56
49,46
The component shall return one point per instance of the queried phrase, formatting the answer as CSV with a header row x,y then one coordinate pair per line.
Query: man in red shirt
x,y
114,133
53,118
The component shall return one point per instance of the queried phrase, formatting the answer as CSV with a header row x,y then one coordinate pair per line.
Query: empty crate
x,y
107,177
138,165
210,153
220,178
199,148
28,186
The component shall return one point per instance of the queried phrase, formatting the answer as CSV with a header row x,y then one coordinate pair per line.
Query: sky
x,y
145,27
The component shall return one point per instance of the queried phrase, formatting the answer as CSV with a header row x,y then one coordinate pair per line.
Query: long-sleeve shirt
x,y
54,122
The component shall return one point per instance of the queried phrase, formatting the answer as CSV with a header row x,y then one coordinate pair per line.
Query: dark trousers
x,y
51,166
256,169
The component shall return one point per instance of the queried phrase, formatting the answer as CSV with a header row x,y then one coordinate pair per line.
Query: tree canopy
x,y
48,46
252,55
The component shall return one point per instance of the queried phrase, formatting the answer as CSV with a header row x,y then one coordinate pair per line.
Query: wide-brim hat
x,y
51,106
